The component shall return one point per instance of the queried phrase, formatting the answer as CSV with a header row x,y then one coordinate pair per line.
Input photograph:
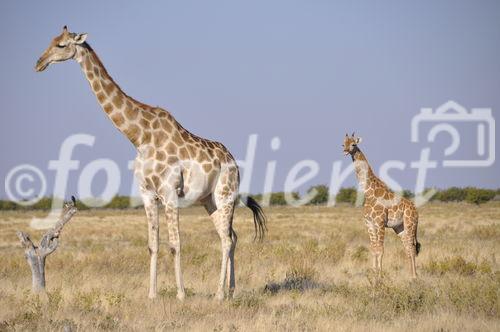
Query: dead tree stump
x,y
36,255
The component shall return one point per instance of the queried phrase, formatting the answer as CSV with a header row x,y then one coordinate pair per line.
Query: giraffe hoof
x,y
219,296
152,296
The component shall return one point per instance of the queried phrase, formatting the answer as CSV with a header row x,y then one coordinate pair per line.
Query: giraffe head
x,y
351,144
61,48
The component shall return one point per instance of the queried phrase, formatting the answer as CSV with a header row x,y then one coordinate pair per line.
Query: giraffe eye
x,y
61,45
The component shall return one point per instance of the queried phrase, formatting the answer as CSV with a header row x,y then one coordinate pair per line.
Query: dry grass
x,y
311,273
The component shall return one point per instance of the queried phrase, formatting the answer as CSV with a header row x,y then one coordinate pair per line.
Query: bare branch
x,y
68,212
50,248
49,241
25,240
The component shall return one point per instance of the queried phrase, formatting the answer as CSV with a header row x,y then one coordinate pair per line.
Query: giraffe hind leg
x,y
231,282
211,208
223,219
172,216
408,237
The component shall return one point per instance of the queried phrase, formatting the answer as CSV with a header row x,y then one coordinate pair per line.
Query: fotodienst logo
x,y
26,184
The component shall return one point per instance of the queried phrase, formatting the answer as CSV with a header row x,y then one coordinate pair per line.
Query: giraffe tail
x,y
259,218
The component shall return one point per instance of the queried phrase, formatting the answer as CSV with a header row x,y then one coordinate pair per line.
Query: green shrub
x,y
257,197
8,205
478,196
280,199
346,195
453,194
43,204
469,194
321,197
119,202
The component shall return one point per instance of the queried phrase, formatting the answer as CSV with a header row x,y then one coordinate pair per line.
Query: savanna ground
x,y
312,272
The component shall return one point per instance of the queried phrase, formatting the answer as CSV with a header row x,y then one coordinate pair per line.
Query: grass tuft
x,y
458,265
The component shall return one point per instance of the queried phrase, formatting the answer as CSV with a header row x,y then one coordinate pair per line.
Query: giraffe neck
x,y
112,99
364,172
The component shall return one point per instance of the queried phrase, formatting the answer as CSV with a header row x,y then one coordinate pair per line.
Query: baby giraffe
x,y
383,208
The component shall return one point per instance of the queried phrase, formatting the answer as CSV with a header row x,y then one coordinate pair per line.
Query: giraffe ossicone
x,y
173,166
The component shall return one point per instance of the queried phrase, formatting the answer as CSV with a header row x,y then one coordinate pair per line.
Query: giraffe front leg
x,y
151,207
377,252
380,248
376,233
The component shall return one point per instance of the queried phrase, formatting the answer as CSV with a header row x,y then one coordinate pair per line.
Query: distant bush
x,y
469,194
478,196
280,199
119,202
322,194
45,203
257,197
277,198
346,195
8,205
453,194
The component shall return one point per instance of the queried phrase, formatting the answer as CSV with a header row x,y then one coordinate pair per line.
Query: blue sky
x,y
303,71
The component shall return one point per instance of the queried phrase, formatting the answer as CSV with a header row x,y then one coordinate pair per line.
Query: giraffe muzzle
x,y
41,65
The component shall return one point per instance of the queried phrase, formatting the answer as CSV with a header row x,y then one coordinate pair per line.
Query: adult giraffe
x,y
173,166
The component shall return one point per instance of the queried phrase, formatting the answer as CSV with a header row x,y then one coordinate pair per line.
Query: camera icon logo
x,y
453,113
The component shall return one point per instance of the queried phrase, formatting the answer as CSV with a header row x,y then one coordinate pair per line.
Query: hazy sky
x,y
303,71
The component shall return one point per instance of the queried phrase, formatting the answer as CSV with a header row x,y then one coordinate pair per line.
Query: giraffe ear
x,y
80,38
358,140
